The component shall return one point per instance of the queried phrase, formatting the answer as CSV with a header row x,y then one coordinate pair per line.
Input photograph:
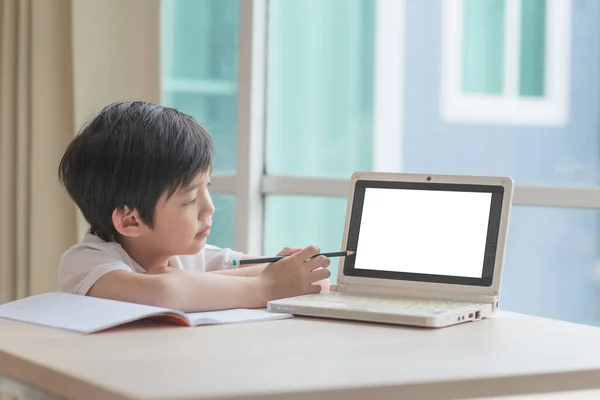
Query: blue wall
x,y
552,253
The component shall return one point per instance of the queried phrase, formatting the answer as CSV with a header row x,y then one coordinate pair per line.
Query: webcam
x,y
428,178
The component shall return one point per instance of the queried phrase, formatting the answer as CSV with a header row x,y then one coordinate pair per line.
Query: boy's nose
x,y
208,209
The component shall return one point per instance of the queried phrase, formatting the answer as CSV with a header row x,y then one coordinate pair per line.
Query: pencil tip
x,y
350,253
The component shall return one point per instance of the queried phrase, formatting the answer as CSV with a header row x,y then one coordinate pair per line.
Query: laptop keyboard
x,y
347,300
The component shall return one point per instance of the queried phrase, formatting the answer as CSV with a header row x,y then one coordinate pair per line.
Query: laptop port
x,y
477,314
471,315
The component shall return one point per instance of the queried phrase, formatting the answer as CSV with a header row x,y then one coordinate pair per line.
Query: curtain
x,y
37,220
60,62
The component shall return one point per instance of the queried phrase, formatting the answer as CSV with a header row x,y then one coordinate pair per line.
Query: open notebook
x,y
90,314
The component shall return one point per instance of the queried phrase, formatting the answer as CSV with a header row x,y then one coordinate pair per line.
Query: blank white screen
x,y
423,231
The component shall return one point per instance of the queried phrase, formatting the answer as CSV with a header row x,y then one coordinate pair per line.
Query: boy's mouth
x,y
203,233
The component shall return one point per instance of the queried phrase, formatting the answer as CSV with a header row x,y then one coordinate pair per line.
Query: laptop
x,y
428,251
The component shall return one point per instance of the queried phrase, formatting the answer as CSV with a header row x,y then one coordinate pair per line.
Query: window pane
x,y
222,233
199,64
552,264
299,221
533,47
483,46
320,93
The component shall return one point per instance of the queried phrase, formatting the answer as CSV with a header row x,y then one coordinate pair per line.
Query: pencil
x,y
245,261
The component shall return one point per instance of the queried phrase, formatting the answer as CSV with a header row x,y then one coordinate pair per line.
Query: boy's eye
x,y
192,202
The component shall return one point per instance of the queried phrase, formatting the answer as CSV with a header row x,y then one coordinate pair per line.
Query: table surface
x,y
593,394
305,358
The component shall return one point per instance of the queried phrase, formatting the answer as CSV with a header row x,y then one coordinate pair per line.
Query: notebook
x,y
429,251
86,314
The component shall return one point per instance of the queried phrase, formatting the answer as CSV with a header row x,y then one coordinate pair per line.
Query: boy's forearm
x,y
251,270
183,290
195,292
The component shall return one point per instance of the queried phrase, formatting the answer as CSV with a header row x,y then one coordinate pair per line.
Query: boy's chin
x,y
195,246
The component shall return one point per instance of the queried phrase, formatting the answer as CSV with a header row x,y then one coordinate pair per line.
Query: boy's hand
x,y
288,251
295,275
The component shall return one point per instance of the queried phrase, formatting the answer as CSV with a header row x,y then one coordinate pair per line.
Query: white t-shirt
x,y
83,264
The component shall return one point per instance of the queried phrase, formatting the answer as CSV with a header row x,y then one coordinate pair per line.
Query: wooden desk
x,y
593,394
305,359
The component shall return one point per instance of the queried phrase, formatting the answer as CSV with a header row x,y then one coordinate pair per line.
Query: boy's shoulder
x,y
89,260
92,241
93,247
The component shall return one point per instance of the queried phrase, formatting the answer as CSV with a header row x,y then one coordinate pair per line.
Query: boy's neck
x,y
143,255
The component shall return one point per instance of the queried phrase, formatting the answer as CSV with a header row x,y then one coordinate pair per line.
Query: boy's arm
x,y
187,291
251,270
191,291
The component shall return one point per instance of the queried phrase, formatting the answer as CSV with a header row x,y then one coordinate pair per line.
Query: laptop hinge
x,y
403,292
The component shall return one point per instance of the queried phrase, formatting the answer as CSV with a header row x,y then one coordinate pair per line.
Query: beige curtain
x,y
60,61
36,121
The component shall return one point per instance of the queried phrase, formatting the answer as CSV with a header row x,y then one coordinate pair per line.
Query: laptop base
x,y
319,305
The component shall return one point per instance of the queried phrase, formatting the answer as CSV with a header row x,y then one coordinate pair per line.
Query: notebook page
x,y
75,312
234,316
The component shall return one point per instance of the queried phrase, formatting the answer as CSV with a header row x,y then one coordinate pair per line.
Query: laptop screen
x,y
430,232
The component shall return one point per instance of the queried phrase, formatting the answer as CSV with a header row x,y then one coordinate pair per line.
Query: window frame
x,y
509,108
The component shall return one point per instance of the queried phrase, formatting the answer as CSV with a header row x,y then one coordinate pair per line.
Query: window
x,y
334,107
321,63
320,87
200,40
223,231
506,61
325,88
316,220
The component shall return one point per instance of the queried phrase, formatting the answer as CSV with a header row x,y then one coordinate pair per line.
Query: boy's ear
x,y
128,222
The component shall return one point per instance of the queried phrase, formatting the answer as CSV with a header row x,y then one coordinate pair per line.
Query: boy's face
x,y
182,223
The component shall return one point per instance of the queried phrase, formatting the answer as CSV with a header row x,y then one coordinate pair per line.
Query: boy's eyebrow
x,y
191,187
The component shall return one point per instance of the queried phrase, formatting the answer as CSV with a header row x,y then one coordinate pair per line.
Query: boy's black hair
x,y
130,154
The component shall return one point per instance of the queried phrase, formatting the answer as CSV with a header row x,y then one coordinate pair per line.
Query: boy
x,y
139,173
